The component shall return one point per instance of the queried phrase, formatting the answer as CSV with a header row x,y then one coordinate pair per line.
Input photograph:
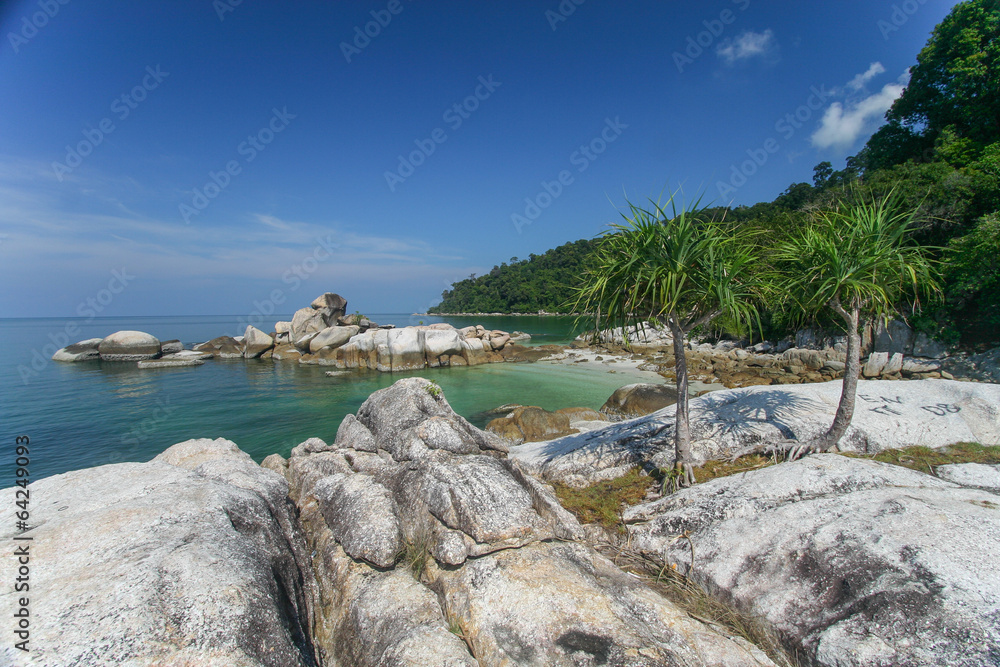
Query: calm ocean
x,y
92,413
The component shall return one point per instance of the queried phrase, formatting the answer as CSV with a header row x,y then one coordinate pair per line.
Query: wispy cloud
x,y
861,80
844,123
69,241
747,45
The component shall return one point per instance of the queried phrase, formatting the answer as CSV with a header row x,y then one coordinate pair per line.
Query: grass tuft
x,y
416,554
714,469
925,459
603,502
702,605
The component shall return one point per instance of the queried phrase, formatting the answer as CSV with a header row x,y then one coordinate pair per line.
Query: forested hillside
x,y
939,152
541,282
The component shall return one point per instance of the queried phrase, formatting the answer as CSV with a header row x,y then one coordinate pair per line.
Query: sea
x,y
85,414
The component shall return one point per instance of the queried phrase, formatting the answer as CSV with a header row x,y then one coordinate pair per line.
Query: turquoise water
x,y
91,413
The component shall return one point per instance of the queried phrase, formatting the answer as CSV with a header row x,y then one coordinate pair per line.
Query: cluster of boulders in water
x,y
322,334
415,539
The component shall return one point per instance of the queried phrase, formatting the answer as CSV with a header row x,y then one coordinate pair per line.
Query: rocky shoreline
x,y
890,351
417,539
321,334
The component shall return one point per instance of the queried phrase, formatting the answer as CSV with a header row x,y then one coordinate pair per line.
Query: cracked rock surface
x,y
431,548
731,422
194,558
853,561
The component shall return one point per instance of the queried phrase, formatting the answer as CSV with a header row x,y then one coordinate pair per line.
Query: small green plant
x,y
454,627
432,389
603,502
926,459
415,554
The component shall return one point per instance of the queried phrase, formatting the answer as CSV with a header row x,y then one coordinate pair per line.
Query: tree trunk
x,y
682,425
845,410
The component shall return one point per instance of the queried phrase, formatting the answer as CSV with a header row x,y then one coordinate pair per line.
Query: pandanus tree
x,y
679,268
860,261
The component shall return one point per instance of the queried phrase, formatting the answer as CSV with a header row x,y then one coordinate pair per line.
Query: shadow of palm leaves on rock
x,y
724,425
736,422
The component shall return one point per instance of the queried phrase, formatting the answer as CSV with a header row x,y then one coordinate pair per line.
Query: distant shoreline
x,y
538,314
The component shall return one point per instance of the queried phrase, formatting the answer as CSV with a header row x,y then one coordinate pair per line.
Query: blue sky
x,y
199,157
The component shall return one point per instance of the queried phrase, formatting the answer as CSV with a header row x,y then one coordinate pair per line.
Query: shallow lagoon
x,y
92,413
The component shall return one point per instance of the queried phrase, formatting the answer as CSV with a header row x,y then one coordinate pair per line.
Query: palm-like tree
x,y
858,260
682,268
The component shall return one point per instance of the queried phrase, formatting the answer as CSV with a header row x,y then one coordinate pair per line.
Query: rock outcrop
x,y
256,342
854,562
85,350
324,312
635,400
981,475
415,348
194,558
129,346
418,525
531,424
728,423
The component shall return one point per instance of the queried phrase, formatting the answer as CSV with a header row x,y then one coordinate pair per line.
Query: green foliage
x,y
432,389
858,256
956,82
684,266
938,154
972,272
925,459
604,501
541,282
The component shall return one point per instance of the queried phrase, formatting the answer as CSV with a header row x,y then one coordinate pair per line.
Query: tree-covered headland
x,y
938,154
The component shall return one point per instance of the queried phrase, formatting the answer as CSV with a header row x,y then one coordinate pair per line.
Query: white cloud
x,y
861,80
844,123
58,250
748,45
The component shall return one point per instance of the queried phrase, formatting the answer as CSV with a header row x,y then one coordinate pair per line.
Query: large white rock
x,y
406,349
129,346
332,337
855,562
875,364
332,301
158,564
496,557
887,415
306,322
256,342
982,475
438,343
85,350
169,363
